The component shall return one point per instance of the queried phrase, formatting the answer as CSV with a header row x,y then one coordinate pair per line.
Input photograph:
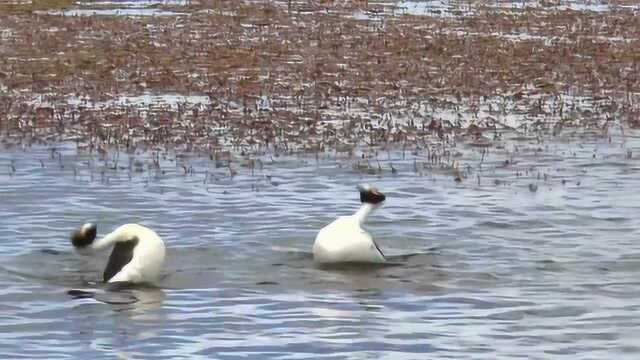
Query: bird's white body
x,y
145,262
344,240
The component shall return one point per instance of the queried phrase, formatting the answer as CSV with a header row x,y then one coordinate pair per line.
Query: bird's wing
x,y
368,236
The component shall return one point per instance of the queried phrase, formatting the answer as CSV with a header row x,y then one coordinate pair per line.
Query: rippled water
x,y
539,259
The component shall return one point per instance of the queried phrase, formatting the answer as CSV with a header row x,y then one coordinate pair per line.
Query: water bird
x,y
344,240
137,257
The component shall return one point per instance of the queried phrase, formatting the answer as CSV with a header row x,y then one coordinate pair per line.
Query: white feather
x,y
344,240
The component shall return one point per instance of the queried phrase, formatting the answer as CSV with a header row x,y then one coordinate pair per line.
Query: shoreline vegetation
x,y
213,77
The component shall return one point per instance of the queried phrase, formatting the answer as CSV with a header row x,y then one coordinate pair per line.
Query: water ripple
x,y
490,270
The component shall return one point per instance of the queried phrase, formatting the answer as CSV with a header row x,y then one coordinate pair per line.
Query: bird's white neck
x,y
106,241
118,235
364,211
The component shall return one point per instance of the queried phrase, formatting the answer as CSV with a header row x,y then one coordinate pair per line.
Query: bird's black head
x,y
84,236
371,195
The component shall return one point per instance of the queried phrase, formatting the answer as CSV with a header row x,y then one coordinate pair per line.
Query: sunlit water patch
x,y
136,3
533,252
116,12
432,8
123,8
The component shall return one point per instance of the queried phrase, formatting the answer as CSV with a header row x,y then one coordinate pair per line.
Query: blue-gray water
x,y
498,270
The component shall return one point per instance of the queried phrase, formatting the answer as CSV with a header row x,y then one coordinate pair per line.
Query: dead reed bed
x,y
316,76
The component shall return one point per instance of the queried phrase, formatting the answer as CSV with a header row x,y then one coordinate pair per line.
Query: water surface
x,y
535,254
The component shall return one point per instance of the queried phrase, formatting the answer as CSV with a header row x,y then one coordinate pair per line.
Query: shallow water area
x,y
460,9
122,8
534,252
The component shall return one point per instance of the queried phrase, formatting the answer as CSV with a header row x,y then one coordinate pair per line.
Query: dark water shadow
x,y
391,261
207,267
358,265
80,274
53,267
121,294
414,272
